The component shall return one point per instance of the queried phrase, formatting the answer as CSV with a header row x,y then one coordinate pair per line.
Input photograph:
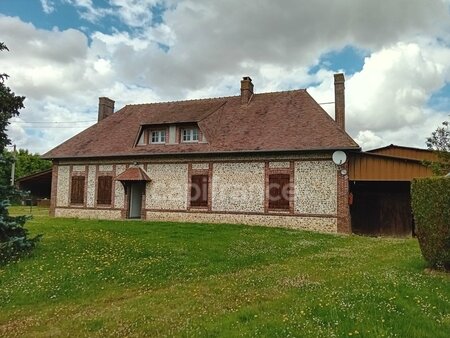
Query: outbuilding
x,y
38,185
380,189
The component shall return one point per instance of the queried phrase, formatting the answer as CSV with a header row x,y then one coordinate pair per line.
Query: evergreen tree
x,y
14,239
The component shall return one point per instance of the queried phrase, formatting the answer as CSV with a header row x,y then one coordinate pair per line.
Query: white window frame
x,y
160,136
190,135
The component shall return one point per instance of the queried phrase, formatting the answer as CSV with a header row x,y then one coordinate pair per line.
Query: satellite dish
x,y
339,157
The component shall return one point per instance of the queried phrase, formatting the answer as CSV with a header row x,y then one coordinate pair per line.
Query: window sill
x,y
152,144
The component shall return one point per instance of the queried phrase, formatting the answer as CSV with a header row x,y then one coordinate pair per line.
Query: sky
x,y
65,54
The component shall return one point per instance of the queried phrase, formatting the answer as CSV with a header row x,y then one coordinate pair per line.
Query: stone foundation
x,y
88,213
319,224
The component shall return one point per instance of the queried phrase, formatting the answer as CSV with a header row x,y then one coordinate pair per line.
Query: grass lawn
x,y
132,278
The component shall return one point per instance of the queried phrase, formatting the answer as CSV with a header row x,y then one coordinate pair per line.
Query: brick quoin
x,y
53,190
343,209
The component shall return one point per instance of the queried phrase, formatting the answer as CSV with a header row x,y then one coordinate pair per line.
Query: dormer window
x,y
141,140
153,136
158,136
189,135
168,134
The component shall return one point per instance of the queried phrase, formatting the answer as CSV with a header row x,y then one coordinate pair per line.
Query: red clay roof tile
x,y
133,174
280,121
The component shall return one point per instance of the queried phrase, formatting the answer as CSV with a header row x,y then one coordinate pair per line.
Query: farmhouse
x,y
254,158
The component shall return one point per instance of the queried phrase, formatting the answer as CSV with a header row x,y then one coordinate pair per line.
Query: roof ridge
x,y
400,146
183,101
213,98
282,91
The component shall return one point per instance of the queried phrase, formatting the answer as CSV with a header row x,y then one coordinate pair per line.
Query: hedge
x,y
430,198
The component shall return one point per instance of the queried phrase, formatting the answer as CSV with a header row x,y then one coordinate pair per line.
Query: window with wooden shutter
x,y
279,191
104,190
77,190
199,190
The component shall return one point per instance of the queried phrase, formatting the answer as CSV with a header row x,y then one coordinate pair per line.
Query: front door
x,y
135,201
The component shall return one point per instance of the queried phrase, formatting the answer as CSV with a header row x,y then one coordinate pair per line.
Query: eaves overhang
x,y
208,153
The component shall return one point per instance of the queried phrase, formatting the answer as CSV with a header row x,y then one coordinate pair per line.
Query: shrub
x,y
431,208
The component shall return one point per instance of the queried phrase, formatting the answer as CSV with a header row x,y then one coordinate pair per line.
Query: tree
x,y
439,142
9,105
14,239
26,164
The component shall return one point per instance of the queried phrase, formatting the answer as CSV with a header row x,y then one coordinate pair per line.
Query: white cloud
x,y
47,6
102,66
115,40
389,96
394,86
88,11
39,137
369,140
134,13
386,102
213,44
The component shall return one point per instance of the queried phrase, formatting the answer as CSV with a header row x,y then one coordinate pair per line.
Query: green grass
x,y
131,278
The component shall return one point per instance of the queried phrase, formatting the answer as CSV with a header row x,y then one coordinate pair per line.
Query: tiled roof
x,y
280,121
133,174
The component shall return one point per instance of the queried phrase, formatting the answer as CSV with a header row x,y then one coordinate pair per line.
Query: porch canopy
x,y
134,174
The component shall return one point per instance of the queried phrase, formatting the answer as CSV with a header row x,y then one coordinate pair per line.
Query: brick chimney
x,y
246,89
105,108
339,100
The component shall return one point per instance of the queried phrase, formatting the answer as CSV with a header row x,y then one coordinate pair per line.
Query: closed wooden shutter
x,y
104,190
279,191
77,190
199,190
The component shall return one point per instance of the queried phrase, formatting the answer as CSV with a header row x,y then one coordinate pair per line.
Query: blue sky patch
x,y
349,59
67,16
158,14
64,17
440,100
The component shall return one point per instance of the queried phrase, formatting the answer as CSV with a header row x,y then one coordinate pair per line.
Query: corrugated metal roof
x,y
376,167
405,152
